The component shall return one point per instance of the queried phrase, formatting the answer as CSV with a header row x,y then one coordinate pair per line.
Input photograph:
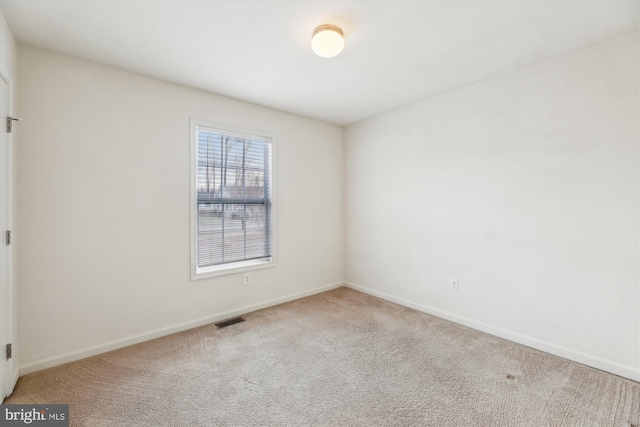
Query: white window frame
x,y
239,266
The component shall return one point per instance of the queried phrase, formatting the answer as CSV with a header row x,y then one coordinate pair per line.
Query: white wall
x,y
9,68
104,207
526,187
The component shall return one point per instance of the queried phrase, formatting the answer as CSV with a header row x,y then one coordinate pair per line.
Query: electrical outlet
x,y
247,278
454,284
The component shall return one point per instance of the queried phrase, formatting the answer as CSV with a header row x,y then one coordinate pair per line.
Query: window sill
x,y
236,267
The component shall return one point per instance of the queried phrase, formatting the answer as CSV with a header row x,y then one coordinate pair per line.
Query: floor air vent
x,y
229,322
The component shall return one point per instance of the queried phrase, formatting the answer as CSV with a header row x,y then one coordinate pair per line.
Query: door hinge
x,y
9,351
10,121
8,239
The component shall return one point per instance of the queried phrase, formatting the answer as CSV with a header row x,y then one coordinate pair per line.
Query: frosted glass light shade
x,y
327,41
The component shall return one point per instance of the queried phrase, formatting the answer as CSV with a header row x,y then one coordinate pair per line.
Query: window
x,y
232,203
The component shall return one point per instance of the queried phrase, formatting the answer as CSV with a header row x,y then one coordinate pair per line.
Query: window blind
x,y
233,198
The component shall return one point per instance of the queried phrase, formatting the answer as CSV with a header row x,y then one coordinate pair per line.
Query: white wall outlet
x,y
454,284
247,278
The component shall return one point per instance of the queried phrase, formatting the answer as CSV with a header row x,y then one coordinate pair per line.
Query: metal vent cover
x,y
229,322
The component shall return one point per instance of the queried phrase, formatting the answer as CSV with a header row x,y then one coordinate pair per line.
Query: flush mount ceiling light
x,y
327,41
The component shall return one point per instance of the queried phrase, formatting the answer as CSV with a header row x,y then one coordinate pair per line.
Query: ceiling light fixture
x,y
327,41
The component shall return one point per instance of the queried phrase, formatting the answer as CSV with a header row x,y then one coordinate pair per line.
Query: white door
x,y
6,297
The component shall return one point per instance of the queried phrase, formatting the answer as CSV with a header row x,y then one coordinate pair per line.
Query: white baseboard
x,y
626,371
50,362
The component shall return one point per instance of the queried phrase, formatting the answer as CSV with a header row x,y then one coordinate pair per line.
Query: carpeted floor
x,y
340,358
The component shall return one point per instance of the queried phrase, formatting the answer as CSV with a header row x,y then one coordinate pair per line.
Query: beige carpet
x,y
341,358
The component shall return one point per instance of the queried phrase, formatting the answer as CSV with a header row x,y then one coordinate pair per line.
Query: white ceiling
x,y
396,53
